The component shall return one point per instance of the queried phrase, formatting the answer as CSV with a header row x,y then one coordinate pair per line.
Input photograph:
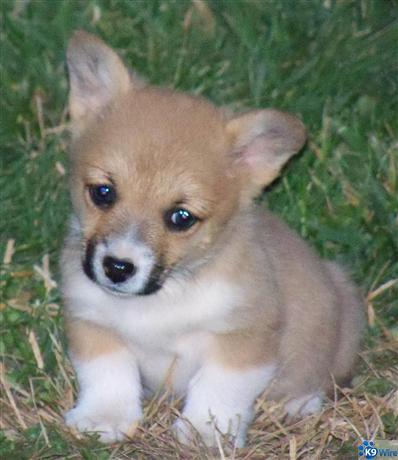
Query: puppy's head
x,y
158,177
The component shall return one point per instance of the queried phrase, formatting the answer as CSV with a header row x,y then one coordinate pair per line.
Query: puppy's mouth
x,y
129,288
151,287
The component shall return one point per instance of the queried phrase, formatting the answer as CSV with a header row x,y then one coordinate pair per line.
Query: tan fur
x,y
313,322
126,134
88,341
245,348
163,148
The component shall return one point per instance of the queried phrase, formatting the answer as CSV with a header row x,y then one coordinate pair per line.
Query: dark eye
x,y
179,219
102,195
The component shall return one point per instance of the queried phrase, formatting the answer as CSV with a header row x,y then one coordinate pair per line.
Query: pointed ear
x,y
263,141
96,75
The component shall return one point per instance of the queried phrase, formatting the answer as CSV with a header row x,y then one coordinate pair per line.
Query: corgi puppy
x,y
172,273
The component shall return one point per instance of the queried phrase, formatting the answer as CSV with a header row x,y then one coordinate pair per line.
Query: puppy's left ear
x,y
262,142
97,75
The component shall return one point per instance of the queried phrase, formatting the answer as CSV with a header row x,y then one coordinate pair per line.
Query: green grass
x,y
335,63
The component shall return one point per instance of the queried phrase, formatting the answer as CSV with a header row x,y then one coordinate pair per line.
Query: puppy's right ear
x,y
263,141
96,76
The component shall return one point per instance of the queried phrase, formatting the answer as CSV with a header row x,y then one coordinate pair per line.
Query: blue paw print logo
x,y
367,450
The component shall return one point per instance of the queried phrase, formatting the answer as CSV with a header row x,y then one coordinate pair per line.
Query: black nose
x,y
118,270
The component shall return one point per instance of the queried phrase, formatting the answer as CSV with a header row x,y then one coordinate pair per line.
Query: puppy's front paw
x,y
111,423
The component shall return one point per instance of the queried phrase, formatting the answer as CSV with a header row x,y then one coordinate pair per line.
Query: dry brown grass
x,y
355,413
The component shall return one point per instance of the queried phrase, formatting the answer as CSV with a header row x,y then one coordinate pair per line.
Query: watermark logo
x,y
374,450
367,450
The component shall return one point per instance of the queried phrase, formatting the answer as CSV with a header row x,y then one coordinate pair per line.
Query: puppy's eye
x,y
179,219
102,195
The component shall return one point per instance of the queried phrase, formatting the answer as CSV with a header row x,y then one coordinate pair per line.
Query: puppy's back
x,y
322,314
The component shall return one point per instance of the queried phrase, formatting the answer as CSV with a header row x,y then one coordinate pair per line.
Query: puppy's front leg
x,y
109,397
222,398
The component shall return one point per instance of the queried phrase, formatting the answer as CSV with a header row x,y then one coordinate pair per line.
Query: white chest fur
x,y
170,328
174,365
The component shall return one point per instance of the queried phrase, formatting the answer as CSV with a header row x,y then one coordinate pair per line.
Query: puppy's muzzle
x,y
123,267
118,270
